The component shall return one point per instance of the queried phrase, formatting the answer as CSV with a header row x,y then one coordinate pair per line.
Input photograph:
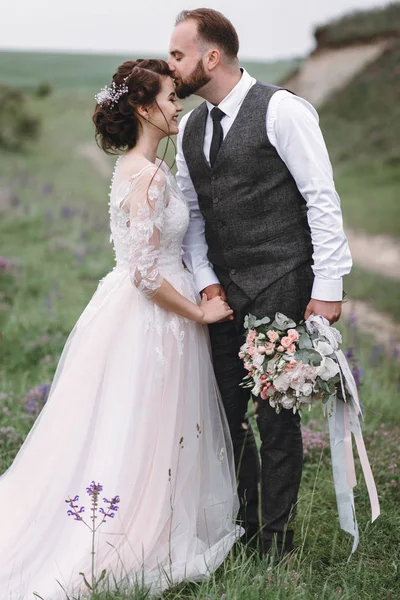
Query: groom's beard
x,y
193,83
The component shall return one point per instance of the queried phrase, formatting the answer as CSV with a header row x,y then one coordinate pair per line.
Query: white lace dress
x,y
134,406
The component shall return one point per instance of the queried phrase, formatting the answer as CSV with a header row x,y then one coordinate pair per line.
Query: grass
x,y
54,232
382,292
361,121
360,26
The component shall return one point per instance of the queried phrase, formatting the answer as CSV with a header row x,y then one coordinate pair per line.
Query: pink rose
x,y
292,333
281,349
252,351
272,336
291,365
292,349
251,336
269,348
286,341
261,349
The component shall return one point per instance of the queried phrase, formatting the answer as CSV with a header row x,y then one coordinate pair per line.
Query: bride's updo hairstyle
x,y
136,83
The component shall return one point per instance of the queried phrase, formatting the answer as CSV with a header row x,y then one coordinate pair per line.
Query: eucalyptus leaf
x,y
308,356
263,321
282,322
304,341
249,321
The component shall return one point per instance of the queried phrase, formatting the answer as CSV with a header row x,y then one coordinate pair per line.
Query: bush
x,y
17,124
360,26
44,89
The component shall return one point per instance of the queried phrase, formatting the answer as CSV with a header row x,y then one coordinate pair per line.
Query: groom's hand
x,y
211,291
214,290
330,310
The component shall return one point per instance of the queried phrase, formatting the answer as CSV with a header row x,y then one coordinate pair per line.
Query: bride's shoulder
x,y
129,168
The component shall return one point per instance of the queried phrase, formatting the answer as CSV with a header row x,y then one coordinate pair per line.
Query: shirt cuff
x,y
205,277
328,290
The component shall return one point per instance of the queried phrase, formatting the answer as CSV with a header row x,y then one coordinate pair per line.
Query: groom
x,y
265,232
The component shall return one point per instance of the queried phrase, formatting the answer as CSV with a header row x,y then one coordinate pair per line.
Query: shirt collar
x,y
236,96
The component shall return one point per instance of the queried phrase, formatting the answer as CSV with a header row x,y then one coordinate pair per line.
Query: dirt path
x,y
98,159
380,253
328,70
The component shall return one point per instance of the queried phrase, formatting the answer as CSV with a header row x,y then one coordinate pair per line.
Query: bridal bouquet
x,y
290,365
293,366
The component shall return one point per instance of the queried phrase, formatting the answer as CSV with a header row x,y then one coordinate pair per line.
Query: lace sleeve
x,y
146,204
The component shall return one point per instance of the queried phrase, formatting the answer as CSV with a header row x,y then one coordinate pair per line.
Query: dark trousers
x,y
281,442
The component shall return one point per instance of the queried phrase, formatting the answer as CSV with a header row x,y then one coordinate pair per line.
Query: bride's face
x,y
164,113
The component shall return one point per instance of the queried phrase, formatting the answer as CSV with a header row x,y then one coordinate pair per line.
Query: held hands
x,y
214,310
330,310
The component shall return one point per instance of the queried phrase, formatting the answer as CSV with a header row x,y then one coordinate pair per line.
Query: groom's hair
x,y
213,27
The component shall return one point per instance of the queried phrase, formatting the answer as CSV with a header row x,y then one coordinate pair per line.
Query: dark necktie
x,y
218,135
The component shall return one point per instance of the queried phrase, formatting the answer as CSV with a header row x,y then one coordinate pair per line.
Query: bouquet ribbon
x,y
344,421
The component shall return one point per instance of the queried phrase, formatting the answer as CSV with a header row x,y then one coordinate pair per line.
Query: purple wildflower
x,y
66,212
48,188
5,264
355,367
36,398
94,489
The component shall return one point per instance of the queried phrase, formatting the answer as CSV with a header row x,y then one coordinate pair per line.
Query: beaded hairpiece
x,y
111,95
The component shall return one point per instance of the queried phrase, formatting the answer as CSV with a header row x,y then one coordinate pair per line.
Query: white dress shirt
x,y
292,128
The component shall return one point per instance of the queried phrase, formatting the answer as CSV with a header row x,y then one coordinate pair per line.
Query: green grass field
x,y
93,71
55,243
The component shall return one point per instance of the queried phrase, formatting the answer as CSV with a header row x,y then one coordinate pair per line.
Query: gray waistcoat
x,y
255,218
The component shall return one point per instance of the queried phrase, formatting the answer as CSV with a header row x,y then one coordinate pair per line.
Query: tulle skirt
x,y
133,406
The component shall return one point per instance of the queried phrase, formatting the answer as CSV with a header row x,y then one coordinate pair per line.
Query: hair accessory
x,y
111,95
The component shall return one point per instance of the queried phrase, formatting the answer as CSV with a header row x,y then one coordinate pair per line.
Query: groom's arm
x,y
194,245
293,129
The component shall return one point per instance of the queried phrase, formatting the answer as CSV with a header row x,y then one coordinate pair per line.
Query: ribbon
x,y
343,421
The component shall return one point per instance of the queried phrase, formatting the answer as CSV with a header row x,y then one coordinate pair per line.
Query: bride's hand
x,y
215,310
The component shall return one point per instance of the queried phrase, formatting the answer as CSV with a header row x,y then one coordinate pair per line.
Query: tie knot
x,y
217,114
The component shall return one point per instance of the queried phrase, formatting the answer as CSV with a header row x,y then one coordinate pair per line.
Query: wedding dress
x,y
133,406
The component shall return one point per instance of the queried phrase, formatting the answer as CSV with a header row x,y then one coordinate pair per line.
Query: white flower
x,y
256,390
258,360
307,389
282,382
323,347
328,369
288,402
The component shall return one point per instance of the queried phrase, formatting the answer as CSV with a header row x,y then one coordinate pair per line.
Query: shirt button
x,y
220,223
216,200
214,177
233,271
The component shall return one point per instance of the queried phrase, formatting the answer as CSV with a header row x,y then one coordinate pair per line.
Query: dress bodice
x,y
148,219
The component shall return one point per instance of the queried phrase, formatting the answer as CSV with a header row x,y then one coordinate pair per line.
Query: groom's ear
x,y
213,59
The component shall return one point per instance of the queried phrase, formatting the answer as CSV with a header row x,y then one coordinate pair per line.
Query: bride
x,y
134,405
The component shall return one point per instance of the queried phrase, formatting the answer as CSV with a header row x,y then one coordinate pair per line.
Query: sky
x,y
268,29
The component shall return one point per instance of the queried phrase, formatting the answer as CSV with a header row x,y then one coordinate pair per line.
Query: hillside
x,y
92,71
362,120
